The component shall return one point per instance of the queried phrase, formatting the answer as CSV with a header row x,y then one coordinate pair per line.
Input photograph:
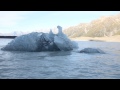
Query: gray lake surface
x,y
62,64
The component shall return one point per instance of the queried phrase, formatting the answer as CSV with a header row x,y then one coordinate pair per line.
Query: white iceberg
x,y
42,42
61,40
26,42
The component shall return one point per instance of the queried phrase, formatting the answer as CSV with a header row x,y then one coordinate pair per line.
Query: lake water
x,y
62,65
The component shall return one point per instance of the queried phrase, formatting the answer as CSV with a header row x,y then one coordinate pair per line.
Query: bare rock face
x,y
92,50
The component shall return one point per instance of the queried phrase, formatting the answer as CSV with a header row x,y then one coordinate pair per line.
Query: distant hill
x,y
104,26
15,33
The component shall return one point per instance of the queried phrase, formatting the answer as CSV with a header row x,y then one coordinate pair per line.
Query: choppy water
x,y
61,65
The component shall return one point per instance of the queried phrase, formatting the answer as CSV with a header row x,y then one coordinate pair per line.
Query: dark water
x,y
62,65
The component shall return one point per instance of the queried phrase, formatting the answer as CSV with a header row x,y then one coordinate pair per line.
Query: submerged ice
x,y
92,50
39,41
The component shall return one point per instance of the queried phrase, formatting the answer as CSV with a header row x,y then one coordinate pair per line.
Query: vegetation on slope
x,y
102,27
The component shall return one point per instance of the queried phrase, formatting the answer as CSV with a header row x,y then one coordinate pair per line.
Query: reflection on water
x,y
60,53
60,65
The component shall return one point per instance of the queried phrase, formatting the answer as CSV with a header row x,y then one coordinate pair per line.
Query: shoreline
x,y
11,37
115,38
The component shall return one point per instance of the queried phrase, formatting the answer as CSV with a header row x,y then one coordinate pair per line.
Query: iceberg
x,y
23,43
92,50
39,41
61,40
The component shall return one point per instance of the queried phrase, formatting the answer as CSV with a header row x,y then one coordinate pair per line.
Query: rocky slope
x,y
101,27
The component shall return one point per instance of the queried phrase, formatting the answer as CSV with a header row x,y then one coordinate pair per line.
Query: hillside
x,y
101,27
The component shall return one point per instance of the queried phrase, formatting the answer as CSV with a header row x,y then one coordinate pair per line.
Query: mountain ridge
x,y
104,26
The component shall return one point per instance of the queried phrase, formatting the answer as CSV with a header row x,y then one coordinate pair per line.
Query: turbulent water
x,y
62,64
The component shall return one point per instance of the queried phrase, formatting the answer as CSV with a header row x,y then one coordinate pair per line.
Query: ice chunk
x,y
26,42
62,44
92,50
74,44
41,42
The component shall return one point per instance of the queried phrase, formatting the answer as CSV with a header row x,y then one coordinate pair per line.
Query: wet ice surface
x,y
62,64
